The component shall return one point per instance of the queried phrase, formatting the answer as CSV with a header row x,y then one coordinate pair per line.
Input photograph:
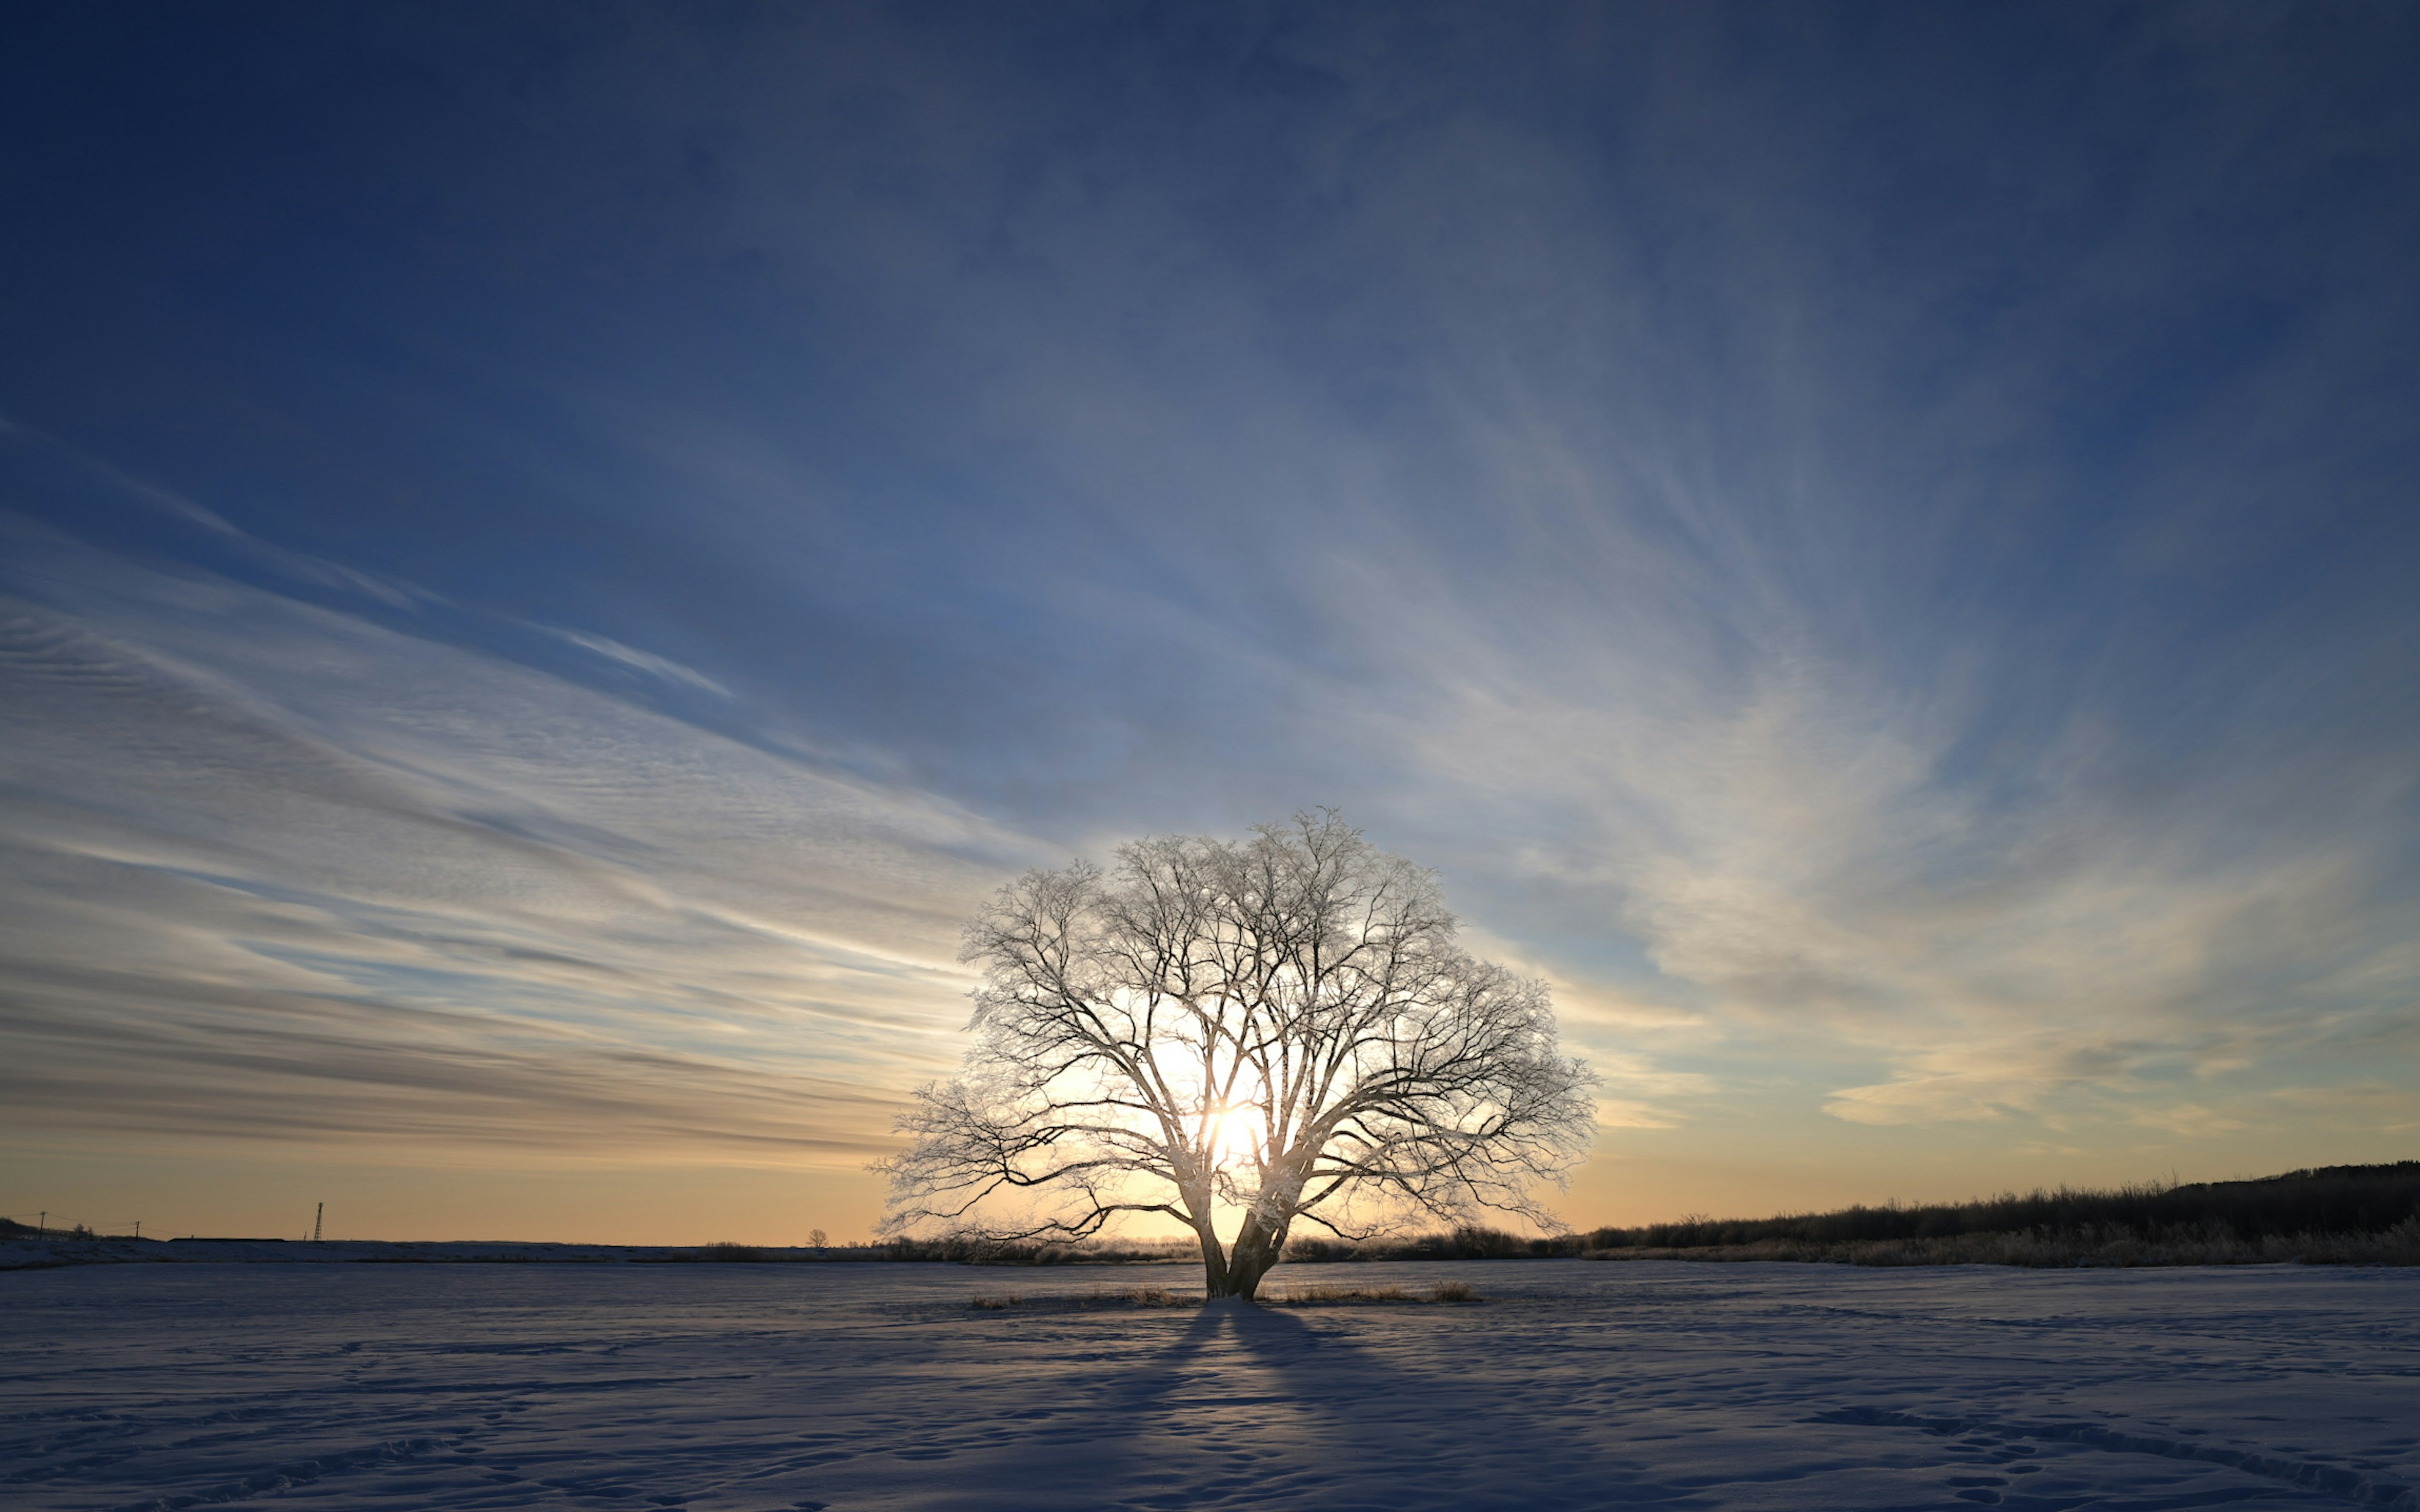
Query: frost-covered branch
x,y
1283,1025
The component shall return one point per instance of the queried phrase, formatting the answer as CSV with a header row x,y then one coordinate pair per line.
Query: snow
x,y
1575,1384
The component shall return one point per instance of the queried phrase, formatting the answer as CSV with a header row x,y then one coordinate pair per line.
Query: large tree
x,y
1279,1028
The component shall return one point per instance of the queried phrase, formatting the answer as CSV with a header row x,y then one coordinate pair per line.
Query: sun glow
x,y
1233,1134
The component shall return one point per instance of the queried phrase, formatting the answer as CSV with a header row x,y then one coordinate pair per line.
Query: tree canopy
x,y
1281,1027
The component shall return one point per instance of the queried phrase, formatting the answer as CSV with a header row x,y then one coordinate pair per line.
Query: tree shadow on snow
x,y
1251,1407
1147,1437
1329,1421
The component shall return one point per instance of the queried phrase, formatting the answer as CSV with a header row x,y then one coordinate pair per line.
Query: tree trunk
x,y
1256,1250
1214,1258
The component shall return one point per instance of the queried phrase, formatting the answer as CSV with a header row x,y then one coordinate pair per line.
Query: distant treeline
x,y
2334,1199
2338,1215
1035,1252
1461,1244
1457,1244
12,1228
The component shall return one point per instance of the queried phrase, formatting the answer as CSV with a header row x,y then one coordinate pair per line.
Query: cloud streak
x,y
637,660
349,881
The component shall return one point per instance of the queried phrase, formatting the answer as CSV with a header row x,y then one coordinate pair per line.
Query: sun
x,y
1231,1134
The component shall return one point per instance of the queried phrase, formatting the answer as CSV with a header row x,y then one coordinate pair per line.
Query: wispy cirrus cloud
x,y
637,660
1807,867
277,870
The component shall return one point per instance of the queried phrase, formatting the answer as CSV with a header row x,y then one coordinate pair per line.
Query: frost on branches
x,y
1279,1030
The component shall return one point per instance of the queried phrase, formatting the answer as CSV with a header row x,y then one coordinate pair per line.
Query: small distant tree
x,y
1282,1028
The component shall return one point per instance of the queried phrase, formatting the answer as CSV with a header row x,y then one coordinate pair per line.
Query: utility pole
x,y
42,1225
138,1229
315,1222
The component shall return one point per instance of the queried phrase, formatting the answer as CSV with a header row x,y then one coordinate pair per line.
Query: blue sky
x,y
553,553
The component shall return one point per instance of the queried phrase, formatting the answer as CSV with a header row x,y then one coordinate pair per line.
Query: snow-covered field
x,y
1574,1384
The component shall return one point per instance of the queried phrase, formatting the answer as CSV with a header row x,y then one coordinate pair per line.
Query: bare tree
x,y
1281,1027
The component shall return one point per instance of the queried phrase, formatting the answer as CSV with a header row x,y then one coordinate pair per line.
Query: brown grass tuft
x,y
1130,1297
1348,1296
1143,1296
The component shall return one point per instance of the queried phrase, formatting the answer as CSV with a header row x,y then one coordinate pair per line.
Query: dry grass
x,y
1142,1297
1130,1297
1348,1296
1163,1297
